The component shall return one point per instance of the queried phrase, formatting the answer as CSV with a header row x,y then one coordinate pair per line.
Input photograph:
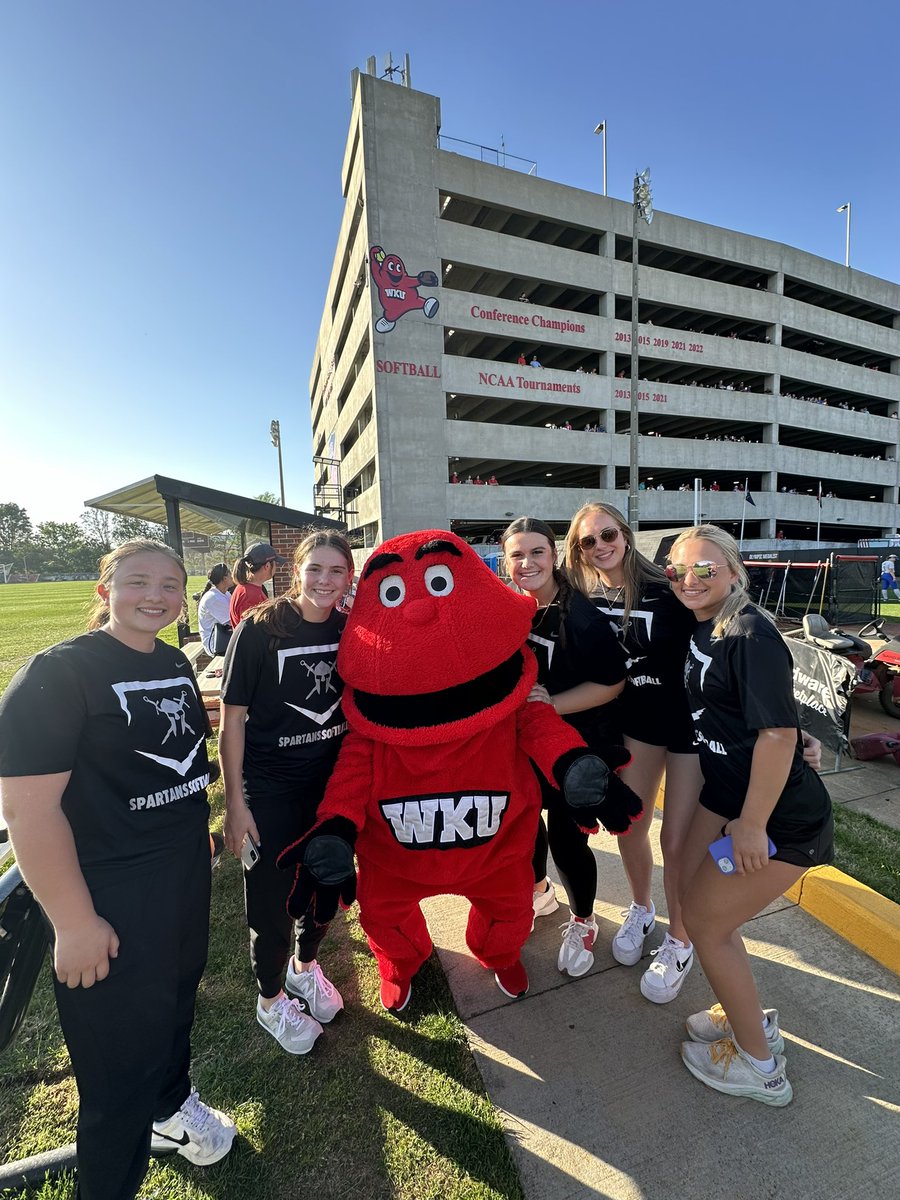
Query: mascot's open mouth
x,y
446,706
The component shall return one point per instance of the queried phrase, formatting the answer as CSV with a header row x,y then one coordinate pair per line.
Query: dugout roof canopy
x,y
182,506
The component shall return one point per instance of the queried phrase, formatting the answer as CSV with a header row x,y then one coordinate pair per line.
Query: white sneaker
x,y
289,1025
318,995
201,1134
628,943
712,1025
576,953
725,1067
662,980
545,903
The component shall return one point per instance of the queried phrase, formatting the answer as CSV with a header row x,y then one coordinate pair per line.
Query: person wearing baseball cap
x,y
255,567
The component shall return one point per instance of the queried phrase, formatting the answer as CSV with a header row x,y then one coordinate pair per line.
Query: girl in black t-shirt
x,y
756,787
654,629
104,775
281,730
581,670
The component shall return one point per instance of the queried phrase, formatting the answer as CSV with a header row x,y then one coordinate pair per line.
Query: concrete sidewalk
x,y
587,1078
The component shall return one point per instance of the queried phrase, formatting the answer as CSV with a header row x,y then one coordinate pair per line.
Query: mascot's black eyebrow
x,y
380,561
438,546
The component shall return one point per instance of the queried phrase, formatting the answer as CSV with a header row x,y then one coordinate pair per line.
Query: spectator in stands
x,y
534,362
215,604
454,478
250,572
492,481
522,360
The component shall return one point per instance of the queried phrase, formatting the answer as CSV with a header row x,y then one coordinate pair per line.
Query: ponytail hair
x,y
98,613
215,576
241,571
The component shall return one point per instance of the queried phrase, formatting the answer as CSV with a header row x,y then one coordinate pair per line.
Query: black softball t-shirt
x,y
655,641
580,649
292,691
131,730
738,684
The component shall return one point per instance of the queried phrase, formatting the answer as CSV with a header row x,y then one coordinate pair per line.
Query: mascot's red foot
x,y
512,981
396,995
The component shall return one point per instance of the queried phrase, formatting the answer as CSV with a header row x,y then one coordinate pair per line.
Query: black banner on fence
x,y
822,686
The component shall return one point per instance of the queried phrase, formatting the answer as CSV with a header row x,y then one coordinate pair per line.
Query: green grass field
x,y
380,1109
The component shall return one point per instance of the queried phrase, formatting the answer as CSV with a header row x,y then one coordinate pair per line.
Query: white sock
x,y
765,1065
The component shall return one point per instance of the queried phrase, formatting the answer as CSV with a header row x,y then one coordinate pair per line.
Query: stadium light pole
x,y
601,129
642,210
275,434
846,208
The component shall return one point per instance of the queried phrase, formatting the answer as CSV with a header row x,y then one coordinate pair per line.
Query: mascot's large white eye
x,y
439,581
391,591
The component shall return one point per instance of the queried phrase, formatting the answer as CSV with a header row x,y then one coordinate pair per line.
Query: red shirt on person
x,y
244,596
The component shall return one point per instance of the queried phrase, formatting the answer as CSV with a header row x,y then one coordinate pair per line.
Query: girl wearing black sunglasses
x,y
654,629
757,788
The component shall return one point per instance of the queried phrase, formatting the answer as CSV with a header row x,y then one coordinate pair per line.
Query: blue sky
x,y
171,191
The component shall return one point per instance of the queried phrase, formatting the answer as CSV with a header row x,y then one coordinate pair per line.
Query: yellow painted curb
x,y
864,917
859,914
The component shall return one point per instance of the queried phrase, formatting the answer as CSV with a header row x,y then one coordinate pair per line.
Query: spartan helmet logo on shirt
x,y
158,714
316,683
173,710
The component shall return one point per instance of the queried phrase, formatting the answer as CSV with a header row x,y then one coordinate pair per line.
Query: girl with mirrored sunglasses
x,y
758,790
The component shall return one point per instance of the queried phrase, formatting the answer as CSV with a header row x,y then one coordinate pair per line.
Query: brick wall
x,y
285,539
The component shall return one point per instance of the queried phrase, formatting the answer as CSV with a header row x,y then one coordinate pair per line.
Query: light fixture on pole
x,y
601,129
846,208
275,434
643,210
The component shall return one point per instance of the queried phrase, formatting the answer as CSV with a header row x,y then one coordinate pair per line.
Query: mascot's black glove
x,y
594,792
323,870
427,278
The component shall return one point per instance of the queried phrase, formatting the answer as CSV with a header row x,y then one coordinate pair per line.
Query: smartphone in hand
x,y
249,853
722,853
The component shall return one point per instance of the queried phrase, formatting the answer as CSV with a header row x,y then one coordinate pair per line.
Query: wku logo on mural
x,y
446,822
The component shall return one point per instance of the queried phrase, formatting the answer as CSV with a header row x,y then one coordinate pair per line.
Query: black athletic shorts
x,y
807,847
663,721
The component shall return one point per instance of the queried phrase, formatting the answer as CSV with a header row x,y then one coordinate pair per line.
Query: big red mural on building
x,y
398,292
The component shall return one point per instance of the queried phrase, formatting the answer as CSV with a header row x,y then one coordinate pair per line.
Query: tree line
x,y
54,548
63,547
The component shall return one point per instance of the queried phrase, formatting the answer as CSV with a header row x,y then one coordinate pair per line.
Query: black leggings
x,y
129,1036
281,819
573,856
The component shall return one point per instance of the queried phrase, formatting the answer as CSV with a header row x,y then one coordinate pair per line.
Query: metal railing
x,y
487,154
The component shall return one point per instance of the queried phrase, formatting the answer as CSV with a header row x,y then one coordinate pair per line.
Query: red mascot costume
x,y
433,784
